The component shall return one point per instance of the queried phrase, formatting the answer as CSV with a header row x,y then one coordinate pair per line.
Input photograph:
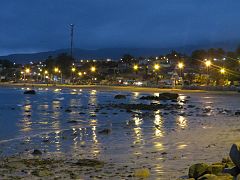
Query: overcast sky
x,y
39,25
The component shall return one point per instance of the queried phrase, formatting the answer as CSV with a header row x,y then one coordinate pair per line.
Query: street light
x,y
208,63
93,69
156,67
27,70
222,71
180,66
73,69
80,73
56,69
135,67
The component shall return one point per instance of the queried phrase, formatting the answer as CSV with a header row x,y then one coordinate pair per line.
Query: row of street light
x,y
180,65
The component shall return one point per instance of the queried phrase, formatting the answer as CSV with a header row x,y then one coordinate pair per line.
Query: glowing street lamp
x,y
56,70
222,71
135,67
93,69
208,63
80,73
27,70
180,66
156,67
46,72
73,69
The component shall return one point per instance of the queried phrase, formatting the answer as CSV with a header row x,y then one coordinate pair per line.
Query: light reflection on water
x,y
42,122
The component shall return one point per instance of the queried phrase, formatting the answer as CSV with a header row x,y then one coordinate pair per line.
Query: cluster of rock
x,y
161,96
29,92
228,169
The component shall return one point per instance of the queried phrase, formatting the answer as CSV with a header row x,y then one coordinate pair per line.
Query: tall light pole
x,y
72,27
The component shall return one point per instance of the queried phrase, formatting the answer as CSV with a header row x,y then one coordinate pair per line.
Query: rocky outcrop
x,y
197,170
162,96
235,154
30,92
228,169
120,96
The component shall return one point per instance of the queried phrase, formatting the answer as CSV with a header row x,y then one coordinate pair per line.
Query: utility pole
x,y
72,27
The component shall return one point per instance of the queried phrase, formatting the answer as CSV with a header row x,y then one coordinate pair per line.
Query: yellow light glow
x,y
156,66
135,67
222,70
45,72
80,73
208,63
180,65
27,70
73,69
56,69
93,69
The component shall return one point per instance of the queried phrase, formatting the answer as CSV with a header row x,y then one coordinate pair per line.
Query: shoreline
x,y
115,88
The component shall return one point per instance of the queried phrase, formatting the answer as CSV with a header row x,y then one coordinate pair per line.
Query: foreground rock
x,y
235,154
197,170
162,96
30,92
228,169
142,173
90,163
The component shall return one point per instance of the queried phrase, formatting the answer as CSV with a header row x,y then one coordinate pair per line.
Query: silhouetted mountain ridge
x,y
112,53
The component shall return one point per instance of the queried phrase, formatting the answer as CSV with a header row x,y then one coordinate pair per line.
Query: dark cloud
x,y
28,25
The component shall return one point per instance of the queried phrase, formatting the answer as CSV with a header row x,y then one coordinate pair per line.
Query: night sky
x,y
40,25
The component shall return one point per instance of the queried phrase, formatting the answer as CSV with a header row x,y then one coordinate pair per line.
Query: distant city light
x,y
93,69
73,69
156,67
180,65
135,67
222,70
208,63
27,70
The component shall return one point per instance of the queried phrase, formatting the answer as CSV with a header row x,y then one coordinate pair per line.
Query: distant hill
x,y
112,53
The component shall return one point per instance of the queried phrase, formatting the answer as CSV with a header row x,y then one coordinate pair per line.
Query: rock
x,y
237,113
238,177
30,92
36,152
142,173
235,154
68,110
105,131
208,177
215,169
197,170
72,121
120,96
233,171
162,96
214,177
90,163
42,173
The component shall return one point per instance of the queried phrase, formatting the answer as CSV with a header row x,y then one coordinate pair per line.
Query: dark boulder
x,y
120,96
105,131
30,92
36,152
162,96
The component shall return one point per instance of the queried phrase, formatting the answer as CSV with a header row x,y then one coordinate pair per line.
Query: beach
x,y
69,125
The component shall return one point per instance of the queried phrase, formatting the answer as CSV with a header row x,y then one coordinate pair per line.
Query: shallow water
x,y
159,140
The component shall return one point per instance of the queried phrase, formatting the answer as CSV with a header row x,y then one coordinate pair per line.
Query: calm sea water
x,y
41,120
